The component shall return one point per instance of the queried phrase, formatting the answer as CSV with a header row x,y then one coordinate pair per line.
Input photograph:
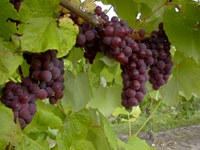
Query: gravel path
x,y
184,138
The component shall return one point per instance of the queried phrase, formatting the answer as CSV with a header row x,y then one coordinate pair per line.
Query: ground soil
x,y
183,138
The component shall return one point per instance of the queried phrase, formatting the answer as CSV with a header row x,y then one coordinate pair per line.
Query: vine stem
x,y
129,125
61,108
151,115
86,16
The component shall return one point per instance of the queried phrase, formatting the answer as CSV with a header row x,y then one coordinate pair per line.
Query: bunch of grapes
x,y
86,38
114,38
21,97
45,81
161,69
47,71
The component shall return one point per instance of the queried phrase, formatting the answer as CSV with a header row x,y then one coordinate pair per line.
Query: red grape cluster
x,y
21,97
47,71
161,69
114,38
45,81
86,38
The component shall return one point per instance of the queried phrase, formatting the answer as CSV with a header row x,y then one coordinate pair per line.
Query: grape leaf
x,y
82,145
126,10
97,136
182,30
36,9
109,133
88,5
75,128
29,144
9,61
135,112
185,78
40,34
77,91
136,143
9,131
106,99
42,121
7,28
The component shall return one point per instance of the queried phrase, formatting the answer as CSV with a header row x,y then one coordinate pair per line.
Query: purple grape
x,y
42,94
45,75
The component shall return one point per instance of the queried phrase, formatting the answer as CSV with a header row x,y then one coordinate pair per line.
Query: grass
x,y
159,122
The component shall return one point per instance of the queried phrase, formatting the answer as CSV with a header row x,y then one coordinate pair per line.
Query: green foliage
x,y
30,144
10,60
79,93
122,8
7,27
75,128
106,99
68,124
185,78
9,131
187,29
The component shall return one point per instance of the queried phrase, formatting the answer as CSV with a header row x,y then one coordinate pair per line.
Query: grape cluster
x,y
86,38
113,38
45,81
161,69
47,71
21,99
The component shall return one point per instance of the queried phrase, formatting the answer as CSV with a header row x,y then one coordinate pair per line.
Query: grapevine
x,y
141,59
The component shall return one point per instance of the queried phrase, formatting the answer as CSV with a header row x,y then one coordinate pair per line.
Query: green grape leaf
x,y
106,99
97,136
136,143
67,34
108,61
182,31
75,128
38,8
88,5
151,14
107,75
29,144
9,131
50,108
185,78
38,37
42,121
122,8
9,61
109,133
82,145
135,112
7,28
77,91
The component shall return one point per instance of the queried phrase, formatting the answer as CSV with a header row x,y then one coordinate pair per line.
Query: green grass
x,y
159,122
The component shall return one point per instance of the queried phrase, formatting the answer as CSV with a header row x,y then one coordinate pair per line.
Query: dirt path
x,y
184,138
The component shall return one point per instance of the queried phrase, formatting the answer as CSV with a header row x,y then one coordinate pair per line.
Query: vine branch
x,y
151,115
86,16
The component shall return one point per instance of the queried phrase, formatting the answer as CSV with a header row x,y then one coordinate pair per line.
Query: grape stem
x,y
86,16
129,125
151,115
